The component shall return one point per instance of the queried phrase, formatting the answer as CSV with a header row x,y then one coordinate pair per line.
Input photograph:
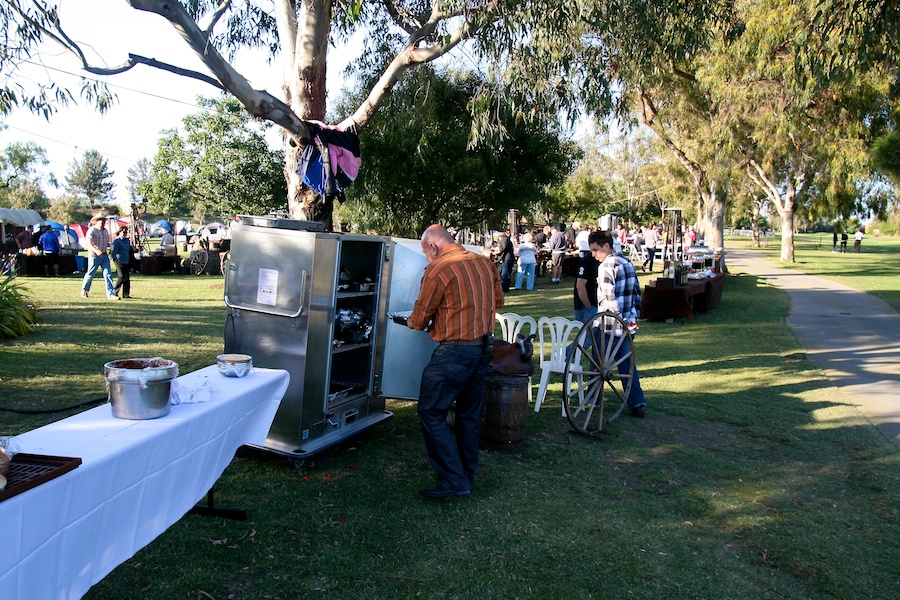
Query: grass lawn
x,y
751,476
876,269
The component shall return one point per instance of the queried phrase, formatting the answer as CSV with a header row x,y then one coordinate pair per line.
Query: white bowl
x,y
234,365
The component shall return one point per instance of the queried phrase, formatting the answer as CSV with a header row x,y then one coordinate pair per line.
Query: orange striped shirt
x,y
459,293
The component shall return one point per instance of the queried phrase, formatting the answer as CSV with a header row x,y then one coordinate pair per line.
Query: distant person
x,y
651,240
857,240
557,253
121,255
96,240
23,238
541,236
527,253
834,241
585,293
507,257
167,239
844,238
49,242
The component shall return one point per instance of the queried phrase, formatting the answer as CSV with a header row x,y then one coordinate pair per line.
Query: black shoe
x,y
442,492
638,412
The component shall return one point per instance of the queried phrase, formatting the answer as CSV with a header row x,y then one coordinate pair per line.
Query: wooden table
x,y
682,302
136,479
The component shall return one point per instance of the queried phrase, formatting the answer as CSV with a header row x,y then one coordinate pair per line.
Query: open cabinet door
x,y
406,351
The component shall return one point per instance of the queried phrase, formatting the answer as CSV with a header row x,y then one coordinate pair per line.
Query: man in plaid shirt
x,y
619,292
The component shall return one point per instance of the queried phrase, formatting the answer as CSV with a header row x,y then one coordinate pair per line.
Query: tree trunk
x,y
754,224
787,224
305,95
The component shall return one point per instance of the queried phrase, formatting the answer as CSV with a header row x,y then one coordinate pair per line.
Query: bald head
x,y
434,240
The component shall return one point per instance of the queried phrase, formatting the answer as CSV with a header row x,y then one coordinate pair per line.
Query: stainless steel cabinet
x,y
315,304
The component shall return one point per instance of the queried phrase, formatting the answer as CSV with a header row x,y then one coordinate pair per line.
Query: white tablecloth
x,y
136,479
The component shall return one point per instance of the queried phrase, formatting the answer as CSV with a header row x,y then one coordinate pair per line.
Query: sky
x,y
149,100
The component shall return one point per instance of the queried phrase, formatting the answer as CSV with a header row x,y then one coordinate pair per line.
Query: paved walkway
x,y
852,336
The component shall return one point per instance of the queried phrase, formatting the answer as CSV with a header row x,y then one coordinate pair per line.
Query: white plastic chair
x,y
559,332
511,325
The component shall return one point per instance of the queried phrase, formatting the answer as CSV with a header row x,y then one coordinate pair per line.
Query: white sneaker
x,y
112,297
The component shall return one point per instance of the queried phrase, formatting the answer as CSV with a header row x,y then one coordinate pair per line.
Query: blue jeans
x,y
584,314
98,262
636,395
506,269
525,270
455,373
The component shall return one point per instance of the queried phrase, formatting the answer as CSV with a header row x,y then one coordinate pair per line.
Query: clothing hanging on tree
x,y
331,161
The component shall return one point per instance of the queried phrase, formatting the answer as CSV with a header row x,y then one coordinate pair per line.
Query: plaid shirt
x,y
619,290
98,240
459,293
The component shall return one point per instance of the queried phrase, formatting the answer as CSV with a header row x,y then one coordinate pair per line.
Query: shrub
x,y
17,316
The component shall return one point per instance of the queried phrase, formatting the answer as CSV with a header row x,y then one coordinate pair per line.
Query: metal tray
x,y
31,470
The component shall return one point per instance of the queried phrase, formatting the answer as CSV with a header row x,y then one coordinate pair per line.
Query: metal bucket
x,y
139,387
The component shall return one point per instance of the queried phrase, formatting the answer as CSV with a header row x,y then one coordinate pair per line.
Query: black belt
x,y
476,342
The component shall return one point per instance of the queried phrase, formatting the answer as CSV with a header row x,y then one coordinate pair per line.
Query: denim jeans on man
x,y
95,262
636,395
506,270
525,271
454,373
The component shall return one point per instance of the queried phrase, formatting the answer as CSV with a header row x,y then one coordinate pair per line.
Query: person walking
x,y
844,238
49,242
527,253
651,240
834,241
458,296
557,253
121,255
857,240
506,254
97,241
618,291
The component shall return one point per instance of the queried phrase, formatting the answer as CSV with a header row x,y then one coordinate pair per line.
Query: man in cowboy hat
x,y
97,242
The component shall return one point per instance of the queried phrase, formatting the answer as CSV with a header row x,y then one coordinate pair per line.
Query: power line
x,y
113,85
67,144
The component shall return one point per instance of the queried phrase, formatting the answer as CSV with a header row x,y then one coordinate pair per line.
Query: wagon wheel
x,y
592,378
199,262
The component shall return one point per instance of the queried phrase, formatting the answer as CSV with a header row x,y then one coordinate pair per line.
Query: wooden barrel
x,y
503,415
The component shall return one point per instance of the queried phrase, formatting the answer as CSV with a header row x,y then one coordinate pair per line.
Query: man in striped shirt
x,y
458,295
619,291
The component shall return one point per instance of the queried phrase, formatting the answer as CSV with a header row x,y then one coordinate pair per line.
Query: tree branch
x,y
223,7
257,102
758,176
412,55
403,19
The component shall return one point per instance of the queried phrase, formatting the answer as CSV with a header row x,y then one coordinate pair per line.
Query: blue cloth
x,y
98,262
49,241
525,270
121,250
455,373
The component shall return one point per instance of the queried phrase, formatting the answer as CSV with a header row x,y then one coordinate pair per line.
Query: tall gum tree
x,y
540,56
300,32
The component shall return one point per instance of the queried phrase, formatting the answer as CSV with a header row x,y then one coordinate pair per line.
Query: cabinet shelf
x,y
348,347
355,294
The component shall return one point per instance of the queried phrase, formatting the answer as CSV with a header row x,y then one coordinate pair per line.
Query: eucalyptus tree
x,y
804,127
540,55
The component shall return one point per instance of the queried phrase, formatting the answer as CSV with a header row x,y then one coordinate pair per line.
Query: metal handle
x,y
304,278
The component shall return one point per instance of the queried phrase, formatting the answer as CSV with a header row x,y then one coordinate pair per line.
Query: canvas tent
x,y
17,217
